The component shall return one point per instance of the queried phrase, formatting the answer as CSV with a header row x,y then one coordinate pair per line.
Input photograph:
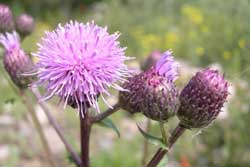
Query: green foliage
x,y
153,139
108,123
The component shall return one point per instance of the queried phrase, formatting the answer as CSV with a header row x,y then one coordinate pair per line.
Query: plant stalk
x,y
57,128
179,130
85,128
34,118
38,126
105,114
146,144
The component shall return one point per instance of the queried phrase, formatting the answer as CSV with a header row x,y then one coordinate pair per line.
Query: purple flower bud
x,y
153,92
16,62
25,24
6,19
79,62
202,99
151,60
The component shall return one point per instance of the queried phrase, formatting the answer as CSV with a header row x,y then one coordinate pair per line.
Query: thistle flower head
x,y
153,92
25,24
16,62
6,18
202,99
79,62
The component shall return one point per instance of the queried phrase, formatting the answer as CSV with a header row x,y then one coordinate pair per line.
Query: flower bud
x,y
202,99
25,24
151,60
6,19
16,62
153,92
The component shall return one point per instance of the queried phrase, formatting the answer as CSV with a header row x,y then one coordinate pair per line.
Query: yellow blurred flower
x,y
192,13
200,51
150,42
226,55
171,39
204,29
242,43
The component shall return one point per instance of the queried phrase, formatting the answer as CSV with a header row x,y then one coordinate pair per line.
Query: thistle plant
x,y
6,19
17,63
25,24
201,101
15,60
79,62
153,92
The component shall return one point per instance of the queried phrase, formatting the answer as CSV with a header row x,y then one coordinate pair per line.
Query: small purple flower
x,y
6,18
79,62
202,99
25,24
153,92
16,62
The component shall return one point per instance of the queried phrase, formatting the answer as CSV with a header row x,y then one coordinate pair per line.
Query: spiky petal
x,y
202,99
6,19
16,62
25,24
153,92
79,62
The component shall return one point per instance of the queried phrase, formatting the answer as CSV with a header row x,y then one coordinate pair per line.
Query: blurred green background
x,y
201,33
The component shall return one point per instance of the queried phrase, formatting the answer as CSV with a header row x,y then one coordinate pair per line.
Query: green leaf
x,y
153,139
108,123
10,100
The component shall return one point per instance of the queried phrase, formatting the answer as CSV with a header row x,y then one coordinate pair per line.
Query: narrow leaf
x,y
153,139
108,123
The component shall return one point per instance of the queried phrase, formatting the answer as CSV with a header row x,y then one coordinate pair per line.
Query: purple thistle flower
x,y
153,92
79,62
202,99
16,62
6,18
25,24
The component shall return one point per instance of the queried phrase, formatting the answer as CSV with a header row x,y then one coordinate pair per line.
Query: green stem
x,y
57,128
179,130
105,114
33,117
38,126
146,144
163,133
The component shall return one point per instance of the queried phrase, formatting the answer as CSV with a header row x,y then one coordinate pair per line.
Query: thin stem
x,y
105,114
85,128
57,128
179,130
39,128
146,144
163,133
33,117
